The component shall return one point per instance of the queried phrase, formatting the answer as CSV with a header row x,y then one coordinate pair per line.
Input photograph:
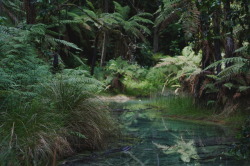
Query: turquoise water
x,y
150,140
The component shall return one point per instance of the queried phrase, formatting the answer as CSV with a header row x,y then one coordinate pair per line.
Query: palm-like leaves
x,y
184,11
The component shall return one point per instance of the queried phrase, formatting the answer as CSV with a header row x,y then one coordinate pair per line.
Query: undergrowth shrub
x,y
140,81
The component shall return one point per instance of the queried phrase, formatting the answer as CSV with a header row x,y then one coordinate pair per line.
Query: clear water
x,y
146,132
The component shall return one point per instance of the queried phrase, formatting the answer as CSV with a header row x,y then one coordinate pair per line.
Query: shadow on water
x,y
151,140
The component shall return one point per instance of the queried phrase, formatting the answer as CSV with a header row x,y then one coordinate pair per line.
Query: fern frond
x,y
123,11
140,19
59,23
242,49
66,43
144,14
231,71
227,61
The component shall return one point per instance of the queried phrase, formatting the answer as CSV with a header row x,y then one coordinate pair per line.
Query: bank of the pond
x,y
182,107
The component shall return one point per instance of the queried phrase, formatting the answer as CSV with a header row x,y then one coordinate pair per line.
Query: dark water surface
x,y
151,140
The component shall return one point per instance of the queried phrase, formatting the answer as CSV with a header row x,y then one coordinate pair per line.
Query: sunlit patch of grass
x,y
183,107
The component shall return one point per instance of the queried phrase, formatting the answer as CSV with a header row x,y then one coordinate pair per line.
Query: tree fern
x,y
184,11
136,25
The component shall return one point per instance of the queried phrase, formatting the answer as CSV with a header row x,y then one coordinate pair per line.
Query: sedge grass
x,y
181,106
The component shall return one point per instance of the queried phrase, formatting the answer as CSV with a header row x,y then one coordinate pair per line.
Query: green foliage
x,y
45,116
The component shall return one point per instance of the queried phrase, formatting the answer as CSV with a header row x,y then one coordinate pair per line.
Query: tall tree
x,y
105,36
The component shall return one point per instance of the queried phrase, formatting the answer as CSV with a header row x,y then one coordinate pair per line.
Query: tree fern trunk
x,y
156,40
229,40
94,55
217,35
207,52
30,11
106,6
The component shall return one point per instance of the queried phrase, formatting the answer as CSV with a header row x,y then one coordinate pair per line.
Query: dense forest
x,y
57,57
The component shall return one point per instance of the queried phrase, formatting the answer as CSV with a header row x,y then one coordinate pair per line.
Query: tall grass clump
x,y
86,118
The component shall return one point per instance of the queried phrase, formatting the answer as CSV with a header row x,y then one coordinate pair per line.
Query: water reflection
x,y
152,140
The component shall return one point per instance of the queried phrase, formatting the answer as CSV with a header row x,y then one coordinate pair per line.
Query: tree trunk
x,y
217,42
30,10
156,40
104,48
106,6
206,46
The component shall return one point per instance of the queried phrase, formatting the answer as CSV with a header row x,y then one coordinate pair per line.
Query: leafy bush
x,y
128,74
